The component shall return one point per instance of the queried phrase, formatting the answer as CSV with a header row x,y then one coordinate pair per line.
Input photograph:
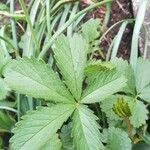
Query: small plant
x,y
59,91
82,82
66,96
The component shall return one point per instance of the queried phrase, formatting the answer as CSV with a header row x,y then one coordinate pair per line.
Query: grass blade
x,y
136,32
30,23
118,39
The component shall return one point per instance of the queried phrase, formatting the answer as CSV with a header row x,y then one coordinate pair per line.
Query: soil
x,y
121,9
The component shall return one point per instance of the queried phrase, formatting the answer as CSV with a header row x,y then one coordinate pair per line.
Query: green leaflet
x,y
85,130
3,62
142,79
6,122
139,113
70,54
90,31
37,127
66,137
118,139
145,93
102,86
35,78
125,69
142,74
52,144
107,105
94,67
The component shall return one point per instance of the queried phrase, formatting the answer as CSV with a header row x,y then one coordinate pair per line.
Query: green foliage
x,y
118,140
38,127
36,79
94,67
125,69
142,74
86,130
53,144
90,31
66,137
100,86
107,107
6,122
139,113
66,82
121,108
142,79
70,54
137,85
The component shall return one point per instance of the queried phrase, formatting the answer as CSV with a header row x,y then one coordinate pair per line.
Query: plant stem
x,y
129,126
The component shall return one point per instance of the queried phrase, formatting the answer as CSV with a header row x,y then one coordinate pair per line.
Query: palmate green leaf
x,y
85,130
70,54
37,127
139,113
35,78
102,86
118,140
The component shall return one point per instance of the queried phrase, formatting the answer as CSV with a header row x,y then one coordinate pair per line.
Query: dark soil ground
x,y
121,10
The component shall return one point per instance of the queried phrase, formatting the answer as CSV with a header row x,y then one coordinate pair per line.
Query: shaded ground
x,y
121,10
